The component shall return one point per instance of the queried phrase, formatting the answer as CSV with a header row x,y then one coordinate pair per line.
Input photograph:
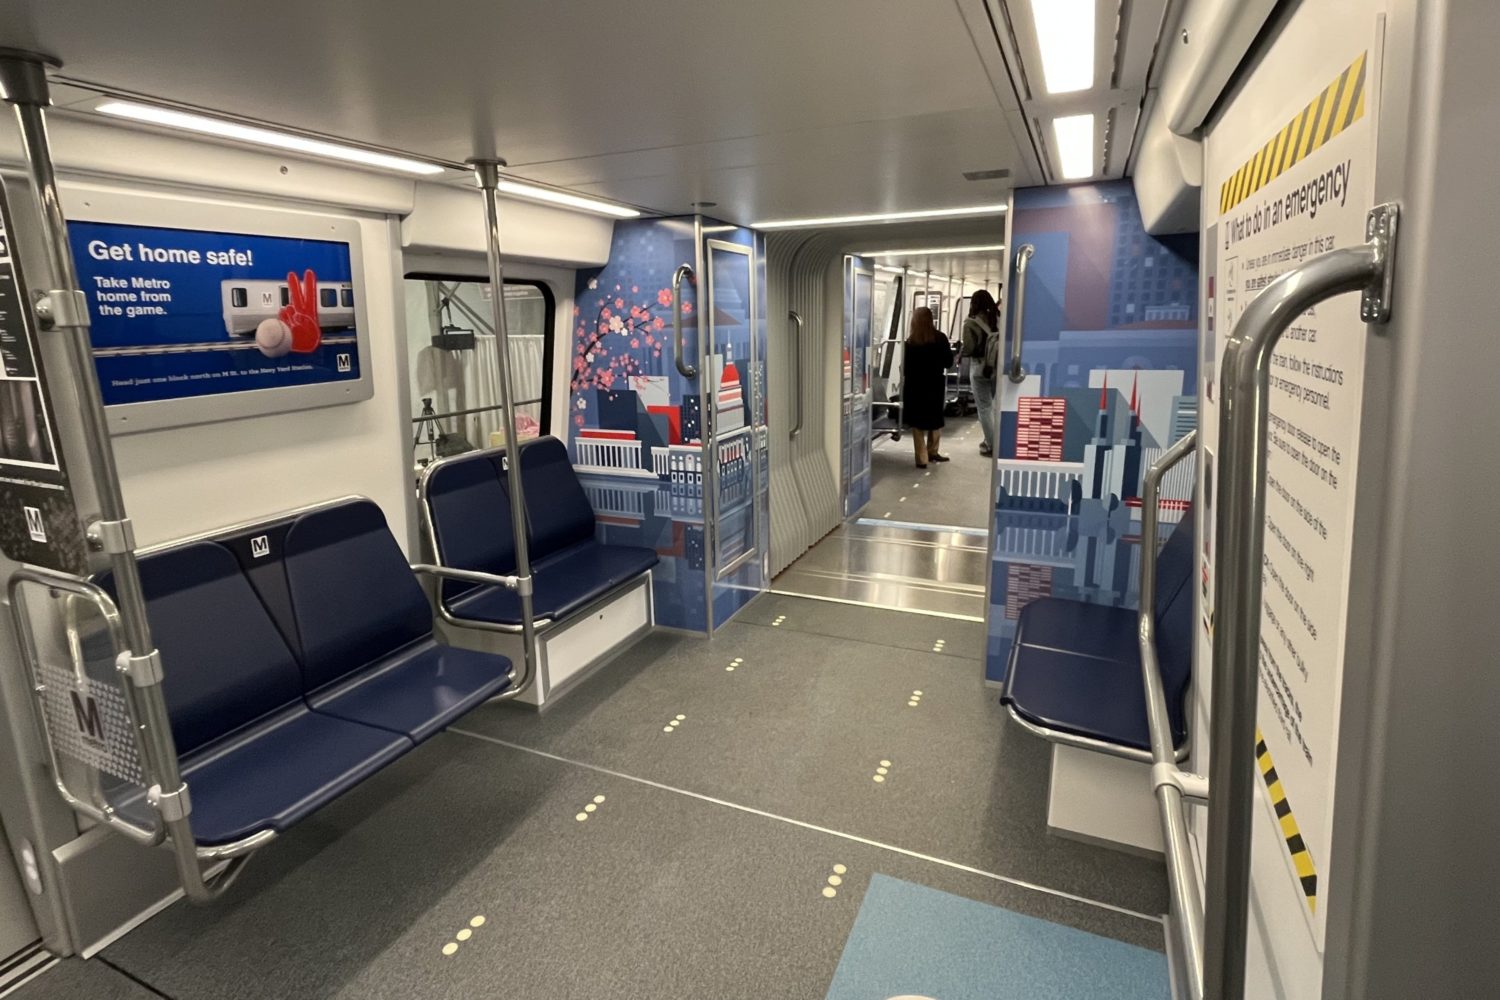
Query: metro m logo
x,y
260,546
86,714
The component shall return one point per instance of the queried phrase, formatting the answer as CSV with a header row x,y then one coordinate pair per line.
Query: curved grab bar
x,y
796,317
1182,880
687,370
1245,384
1023,256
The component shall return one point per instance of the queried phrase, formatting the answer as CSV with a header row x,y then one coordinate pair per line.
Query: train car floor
x,y
953,493
821,801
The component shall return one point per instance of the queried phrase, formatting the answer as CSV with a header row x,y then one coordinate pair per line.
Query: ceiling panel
x,y
785,103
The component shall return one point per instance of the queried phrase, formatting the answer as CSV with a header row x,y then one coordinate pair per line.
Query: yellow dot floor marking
x,y
738,661
938,644
672,726
588,810
902,500
779,619
834,881
464,933
880,772
914,700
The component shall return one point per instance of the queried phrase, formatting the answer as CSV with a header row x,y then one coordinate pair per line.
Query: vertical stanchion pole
x,y
487,173
63,310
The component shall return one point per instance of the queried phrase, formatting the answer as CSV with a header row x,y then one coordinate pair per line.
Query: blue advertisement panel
x,y
180,313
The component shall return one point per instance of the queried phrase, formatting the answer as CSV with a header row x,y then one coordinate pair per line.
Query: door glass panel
x,y
731,364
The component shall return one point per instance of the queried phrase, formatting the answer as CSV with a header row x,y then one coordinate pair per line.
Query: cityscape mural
x,y
1110,358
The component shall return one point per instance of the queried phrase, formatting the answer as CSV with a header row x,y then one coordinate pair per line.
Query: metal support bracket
x,y
143,671
1380,230
63,307
524,585
172,806
113,537
1192,786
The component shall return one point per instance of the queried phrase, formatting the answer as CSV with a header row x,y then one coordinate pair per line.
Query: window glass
x,y
328,297
453,363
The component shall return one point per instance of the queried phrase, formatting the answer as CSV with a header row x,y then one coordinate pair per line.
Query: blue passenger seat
x,y
471,525
364,629
1075,667
252,752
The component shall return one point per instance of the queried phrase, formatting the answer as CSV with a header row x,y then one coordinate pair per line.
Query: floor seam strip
x,y
878,607
863,642
132,977
751,810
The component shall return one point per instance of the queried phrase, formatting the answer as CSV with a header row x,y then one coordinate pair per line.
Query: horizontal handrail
x,y
467,575
1182,882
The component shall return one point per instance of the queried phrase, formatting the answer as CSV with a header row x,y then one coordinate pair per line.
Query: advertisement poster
x,y
180,313
38,520
1285,197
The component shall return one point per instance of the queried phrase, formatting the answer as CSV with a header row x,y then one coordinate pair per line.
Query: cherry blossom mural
x,y
619,331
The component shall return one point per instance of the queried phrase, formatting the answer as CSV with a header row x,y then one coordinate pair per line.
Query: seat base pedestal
x,y
1104,800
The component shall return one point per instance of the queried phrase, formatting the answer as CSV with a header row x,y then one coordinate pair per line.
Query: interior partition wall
x,y
1108,381
667,409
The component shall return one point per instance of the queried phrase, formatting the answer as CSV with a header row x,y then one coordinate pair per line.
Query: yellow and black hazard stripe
x,y
1341,104
1301,859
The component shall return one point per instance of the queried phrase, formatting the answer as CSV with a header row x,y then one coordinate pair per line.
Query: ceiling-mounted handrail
x,y
1245,383
1013,370
1167,780
796,318
683,270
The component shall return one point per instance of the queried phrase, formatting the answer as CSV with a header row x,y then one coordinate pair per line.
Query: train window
x,y
239,298
328,298
346,298
452,362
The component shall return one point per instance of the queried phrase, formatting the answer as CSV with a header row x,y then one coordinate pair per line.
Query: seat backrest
x,y
353,596
471,521
558,510
224,661
1174,564
1174,654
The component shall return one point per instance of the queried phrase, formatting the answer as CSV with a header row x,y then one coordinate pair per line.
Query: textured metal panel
x,y
804,489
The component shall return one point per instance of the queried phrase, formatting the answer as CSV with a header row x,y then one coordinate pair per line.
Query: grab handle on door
x,y
683,270
1013,370
796,318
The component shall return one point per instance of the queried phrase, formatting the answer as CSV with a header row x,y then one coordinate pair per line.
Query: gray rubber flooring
x,y
700,873
953,493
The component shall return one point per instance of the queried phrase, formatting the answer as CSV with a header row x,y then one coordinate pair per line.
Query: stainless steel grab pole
x,y
796,318
63,309
1182,881
683,368
1245,387
487,173
1018,326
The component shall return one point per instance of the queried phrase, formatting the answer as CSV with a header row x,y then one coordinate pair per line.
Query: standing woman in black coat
x,y
924,382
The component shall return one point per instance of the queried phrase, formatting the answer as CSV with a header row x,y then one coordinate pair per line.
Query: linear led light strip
x,y
1075,145
154,115
854,220
1065,36
928,251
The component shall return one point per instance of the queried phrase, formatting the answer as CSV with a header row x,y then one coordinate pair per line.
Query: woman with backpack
x,y
981,346
924,382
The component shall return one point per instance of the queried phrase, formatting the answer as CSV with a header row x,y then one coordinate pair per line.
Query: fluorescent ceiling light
x,y
521,190
928,251
154,115
853,220
892,270
1075,145
1065,34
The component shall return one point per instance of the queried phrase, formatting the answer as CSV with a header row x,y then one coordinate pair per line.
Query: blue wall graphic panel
x,y
912,941
1111,359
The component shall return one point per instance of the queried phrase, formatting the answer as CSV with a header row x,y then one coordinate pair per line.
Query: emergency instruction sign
x,y
1302,189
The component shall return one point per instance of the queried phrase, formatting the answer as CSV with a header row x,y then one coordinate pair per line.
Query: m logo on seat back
x,y
35,526
260,546
86,714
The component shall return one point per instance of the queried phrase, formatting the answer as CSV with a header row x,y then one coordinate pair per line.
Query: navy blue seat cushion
x,y
225,663
562,583
558,512
1099,630
418,691
1100,699
277,773
354,598
471,520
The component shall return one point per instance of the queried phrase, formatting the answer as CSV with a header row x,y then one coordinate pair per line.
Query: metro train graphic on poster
x,y
248,303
